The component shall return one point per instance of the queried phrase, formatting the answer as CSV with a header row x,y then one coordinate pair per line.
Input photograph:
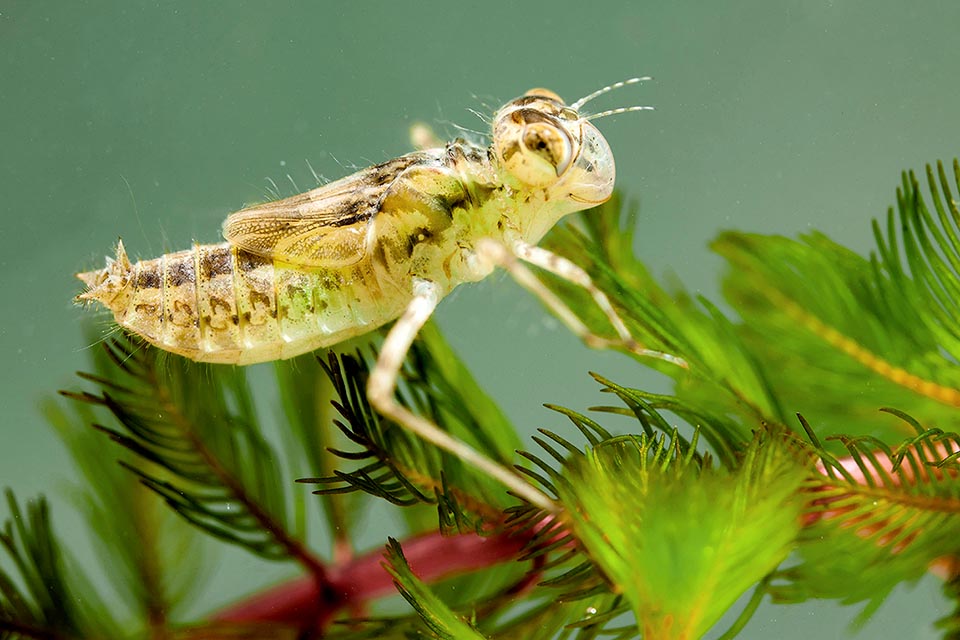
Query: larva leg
x,y
563,268
383,383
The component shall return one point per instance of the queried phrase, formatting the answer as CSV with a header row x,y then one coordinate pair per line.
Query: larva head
x,y
545,144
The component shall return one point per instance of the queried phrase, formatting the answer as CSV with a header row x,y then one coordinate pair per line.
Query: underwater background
x,y
151,121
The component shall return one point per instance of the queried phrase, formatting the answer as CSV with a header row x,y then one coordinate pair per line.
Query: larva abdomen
x,y
219,303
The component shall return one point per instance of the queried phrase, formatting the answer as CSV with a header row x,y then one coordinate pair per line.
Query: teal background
x,y
152,121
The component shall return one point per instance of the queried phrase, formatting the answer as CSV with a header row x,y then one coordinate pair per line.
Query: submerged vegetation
x,y
810,450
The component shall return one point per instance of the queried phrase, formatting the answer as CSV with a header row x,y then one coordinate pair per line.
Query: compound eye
x,y
550,144
544,93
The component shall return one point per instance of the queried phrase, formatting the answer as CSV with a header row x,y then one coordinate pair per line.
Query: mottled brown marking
x,y
446,265
534,97
295,292
221,303
221,310
528,116
511,150
459,151
418,236
351,212
183,315
464,152
380,253
331,281
259,303
146,309
256,297
387,172
215,263
247,262
449,202
180,272
148,278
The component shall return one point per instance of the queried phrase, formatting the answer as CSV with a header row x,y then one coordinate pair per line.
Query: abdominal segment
x,y
219,303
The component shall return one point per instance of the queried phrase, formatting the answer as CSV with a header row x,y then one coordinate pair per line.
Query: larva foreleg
x,y
508,258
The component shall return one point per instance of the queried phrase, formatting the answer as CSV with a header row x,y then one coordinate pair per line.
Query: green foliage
x,y
878,520
305,395
951,623
397,466
815,319
723,386
826,317
196,427
633,500
829,319
43,599
442,623
832,335
152,557
715,489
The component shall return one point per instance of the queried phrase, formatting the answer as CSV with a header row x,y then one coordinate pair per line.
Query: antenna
x,y
613,112
596,94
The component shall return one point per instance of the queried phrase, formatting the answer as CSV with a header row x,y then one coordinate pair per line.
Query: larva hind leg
x,y
509,258
383,383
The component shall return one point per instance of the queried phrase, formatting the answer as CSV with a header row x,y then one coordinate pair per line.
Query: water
x,y
151,121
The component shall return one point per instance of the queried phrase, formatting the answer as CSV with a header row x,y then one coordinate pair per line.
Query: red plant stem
x,y
304,604
867,472
878,475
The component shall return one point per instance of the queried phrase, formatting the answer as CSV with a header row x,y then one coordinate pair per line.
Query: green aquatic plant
x,y
808,450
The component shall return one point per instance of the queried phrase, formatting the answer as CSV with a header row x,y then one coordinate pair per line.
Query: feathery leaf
x,y
876,519
683,540
150,554
399,467
47,599
441,621
196,426
828,320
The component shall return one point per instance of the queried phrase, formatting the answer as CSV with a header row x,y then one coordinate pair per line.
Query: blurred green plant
x,y
660,531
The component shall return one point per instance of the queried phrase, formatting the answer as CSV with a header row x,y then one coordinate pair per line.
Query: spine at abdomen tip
x,y
103,285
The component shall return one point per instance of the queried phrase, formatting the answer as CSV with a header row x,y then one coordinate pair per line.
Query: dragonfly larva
x,y
387,242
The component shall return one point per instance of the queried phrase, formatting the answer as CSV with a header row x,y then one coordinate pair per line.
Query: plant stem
x,y
432,556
